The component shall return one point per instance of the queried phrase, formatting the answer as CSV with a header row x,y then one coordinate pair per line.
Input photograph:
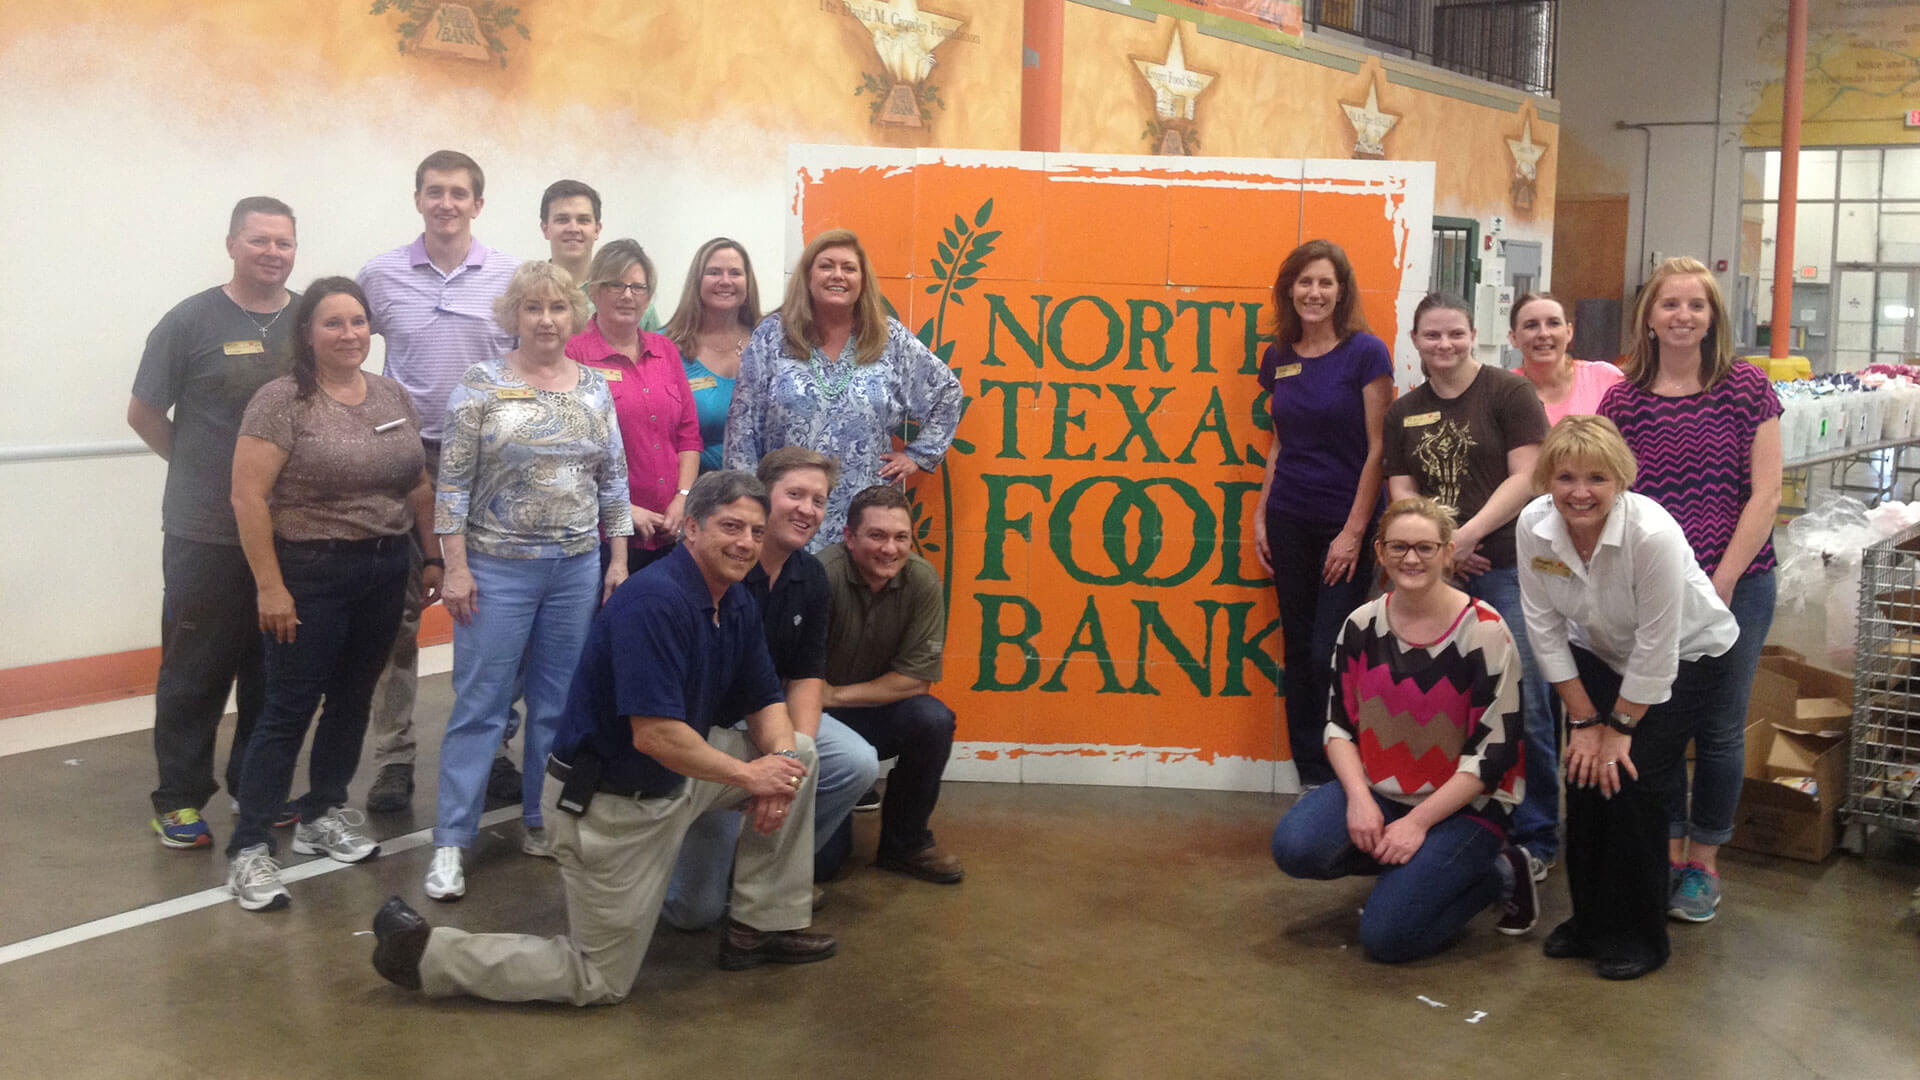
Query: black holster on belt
x,y
579,781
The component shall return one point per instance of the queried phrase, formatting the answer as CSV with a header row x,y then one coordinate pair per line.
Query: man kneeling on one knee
x,y
644,748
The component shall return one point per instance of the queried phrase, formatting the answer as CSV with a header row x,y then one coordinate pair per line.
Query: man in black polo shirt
x,y
791,588
673,658
883,655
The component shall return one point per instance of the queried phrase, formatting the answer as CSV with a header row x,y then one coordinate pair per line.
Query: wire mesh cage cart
x,y
1883,774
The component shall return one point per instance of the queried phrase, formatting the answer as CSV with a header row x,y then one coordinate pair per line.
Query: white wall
x,y
114,203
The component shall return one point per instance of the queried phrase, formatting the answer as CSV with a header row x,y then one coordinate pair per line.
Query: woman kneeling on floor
x,y
1423,733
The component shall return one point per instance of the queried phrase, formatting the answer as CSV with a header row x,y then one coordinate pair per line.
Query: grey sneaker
x,y
1696,896
536,842
1521,908
335,834
254,880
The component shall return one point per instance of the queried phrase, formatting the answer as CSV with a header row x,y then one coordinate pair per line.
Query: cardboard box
x,y
1797,728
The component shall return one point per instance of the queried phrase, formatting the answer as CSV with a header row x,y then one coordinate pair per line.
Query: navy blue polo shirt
x,y
794,611
655,650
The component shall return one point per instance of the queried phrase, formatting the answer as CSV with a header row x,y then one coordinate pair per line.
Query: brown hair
x,y
796,311
448,161
1347,319
686,317
612,262
1585,438
1513,315
568,189
257,204
1641,365
305,378
877,497
778,463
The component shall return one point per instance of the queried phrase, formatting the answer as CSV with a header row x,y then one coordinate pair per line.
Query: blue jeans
x,y
1536,821
349,607
1416,909
530,619
697,894
1720,738
1311,614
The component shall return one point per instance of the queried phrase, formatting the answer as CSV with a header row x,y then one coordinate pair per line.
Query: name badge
x,y
507,393
1286,371
1421,419
244,348
610,374
1544,565
703,382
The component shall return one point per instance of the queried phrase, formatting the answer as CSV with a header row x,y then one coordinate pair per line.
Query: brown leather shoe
x,y
742,947
928,864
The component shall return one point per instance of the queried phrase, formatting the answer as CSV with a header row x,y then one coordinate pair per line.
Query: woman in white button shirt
x,y
1630,633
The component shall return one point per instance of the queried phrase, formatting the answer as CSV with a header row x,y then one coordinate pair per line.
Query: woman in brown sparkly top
x,y
328,480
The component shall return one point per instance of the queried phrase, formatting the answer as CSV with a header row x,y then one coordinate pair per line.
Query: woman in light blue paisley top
x,y
831,371
719,307
531,473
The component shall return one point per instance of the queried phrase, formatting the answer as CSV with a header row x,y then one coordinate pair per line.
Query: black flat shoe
x,y
1565,944
1620,970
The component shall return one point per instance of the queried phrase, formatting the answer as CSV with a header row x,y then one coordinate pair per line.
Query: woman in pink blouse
x,y
659,423
1541,331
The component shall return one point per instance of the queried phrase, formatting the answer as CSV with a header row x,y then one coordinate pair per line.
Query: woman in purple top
x,y
1330,382
1706,433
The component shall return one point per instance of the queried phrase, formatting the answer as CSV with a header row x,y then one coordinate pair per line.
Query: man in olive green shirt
x,y
888,629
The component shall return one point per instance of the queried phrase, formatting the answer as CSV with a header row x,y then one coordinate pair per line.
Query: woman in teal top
x,y
719,307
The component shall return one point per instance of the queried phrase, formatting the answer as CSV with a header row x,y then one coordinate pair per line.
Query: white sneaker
x,y
536,843
254,880
335,834
445,879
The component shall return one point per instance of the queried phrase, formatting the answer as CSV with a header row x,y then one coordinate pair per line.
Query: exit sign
x,y
1913,118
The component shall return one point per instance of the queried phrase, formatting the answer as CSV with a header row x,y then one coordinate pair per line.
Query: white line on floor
x,y
206,898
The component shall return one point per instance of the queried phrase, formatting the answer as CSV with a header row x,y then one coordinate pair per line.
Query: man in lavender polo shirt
x,y
432,302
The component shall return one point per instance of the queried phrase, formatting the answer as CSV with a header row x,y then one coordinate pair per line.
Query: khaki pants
x,y
616,862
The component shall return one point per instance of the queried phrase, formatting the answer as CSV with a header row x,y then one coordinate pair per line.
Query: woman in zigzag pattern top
x,y
1705,431
1424,733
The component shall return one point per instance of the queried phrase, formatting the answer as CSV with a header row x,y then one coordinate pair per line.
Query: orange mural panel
x,y
1108,620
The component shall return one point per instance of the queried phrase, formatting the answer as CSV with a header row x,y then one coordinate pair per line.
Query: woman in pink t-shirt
x,y
1541,331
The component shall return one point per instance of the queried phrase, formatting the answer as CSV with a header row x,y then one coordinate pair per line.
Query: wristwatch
x,y
1621,722
794,754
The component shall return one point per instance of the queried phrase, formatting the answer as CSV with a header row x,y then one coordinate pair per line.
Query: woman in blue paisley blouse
x,y
531,473
831,371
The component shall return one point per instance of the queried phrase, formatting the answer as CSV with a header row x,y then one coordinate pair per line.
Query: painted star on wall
x,y
1526,153
1370,125
1174,84
903,35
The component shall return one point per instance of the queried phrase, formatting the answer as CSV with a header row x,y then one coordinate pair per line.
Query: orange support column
x,y
1040,75
1783,267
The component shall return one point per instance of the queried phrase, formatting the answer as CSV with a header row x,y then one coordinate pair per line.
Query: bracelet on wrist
x,y
794,754
1586,721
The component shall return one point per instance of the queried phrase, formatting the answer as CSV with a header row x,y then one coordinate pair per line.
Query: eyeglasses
x,y
636,289
1397,549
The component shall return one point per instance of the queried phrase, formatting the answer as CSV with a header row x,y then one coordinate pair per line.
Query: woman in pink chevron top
x,y
1705,430
1423,732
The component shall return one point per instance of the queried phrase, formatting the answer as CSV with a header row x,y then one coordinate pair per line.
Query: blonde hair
x,y
538,276
1591,439
1641,365
1420,506
686,317
869,318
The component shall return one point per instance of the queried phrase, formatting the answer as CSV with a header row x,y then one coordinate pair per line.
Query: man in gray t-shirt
x,y
202,364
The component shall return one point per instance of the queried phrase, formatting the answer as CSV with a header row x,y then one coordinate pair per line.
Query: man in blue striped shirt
x,y
431,301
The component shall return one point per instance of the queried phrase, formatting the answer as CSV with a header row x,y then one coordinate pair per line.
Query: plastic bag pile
x,y
1823,557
